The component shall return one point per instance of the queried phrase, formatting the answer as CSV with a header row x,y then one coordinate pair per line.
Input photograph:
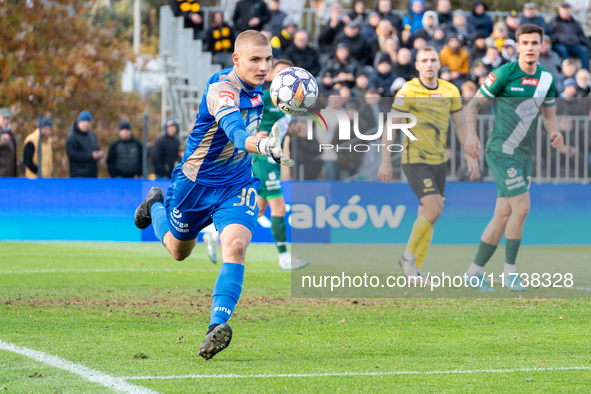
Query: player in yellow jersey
x,y
432,101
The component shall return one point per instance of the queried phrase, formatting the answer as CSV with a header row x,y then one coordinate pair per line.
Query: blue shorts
x,y
190,207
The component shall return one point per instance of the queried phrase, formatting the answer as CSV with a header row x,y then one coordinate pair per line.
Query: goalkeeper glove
x,y
270,146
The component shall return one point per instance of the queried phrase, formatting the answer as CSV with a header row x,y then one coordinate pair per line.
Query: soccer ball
x,y
294,90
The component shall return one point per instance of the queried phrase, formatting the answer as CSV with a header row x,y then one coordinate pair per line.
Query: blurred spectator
x,y
548,58
329,31
445,73
125,154
404,67
31,155
326,84
417,44
568,37
384,8
529,16
430,22
275,24
358,48
330,136
509,52
414,20
406,39
276,52
342,67
468,89
285,38
396,86
383,32
82,148
307,150
7,145
457,59
568,71
302,54
194,20
361,83
383,78
181,151
358,13
479,48
251,15
368,30
165,149
569,89
478,70
220,41
513,23
569,104
463,30
370,108
479,19
582,78
444,14
500,34
492,59
438,40
390,48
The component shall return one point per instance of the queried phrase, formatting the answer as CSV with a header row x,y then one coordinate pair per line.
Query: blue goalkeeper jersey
x,y
210,158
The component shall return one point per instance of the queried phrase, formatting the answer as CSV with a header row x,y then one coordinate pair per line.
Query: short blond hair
x,y
250,37
426,48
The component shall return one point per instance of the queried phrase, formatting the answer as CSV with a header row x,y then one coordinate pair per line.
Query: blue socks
x,y
159,220
226,292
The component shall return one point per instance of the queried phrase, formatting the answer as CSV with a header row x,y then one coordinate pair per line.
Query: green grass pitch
x,y
100,305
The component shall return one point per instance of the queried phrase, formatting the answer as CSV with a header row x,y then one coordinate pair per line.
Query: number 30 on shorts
x,y
245,197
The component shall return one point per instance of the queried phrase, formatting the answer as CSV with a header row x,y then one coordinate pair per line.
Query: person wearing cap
x,y
384,8
275,24
479,19
567,71
530,16
125,154
302,53
30,155
285,38
358,48
548,58
7,145
82,148
250,15
444,14
568,37
328,32
569,88
358,13
460,28
165,149
220,41
361,82
383,78
454,56
368,30
513,23
479,48
478,71
342,67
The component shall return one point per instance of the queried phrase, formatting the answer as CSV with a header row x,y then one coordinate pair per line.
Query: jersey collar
x,y
428,88
240,82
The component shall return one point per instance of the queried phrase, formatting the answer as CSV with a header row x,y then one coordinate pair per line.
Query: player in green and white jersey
x,y
520,90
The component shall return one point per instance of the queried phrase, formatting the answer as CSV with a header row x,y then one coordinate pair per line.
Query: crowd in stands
x,y
362,53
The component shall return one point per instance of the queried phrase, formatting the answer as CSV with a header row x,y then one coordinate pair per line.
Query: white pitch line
x,y
319,375
118,385
107,270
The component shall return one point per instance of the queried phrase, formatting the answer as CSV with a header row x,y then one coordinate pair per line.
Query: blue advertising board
x,y
320,212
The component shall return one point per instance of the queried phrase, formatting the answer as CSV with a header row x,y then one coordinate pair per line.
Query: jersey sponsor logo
x,y
226,98
256,101
529,81
176,213
490,79
399,101
435,95
511,172
514,89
